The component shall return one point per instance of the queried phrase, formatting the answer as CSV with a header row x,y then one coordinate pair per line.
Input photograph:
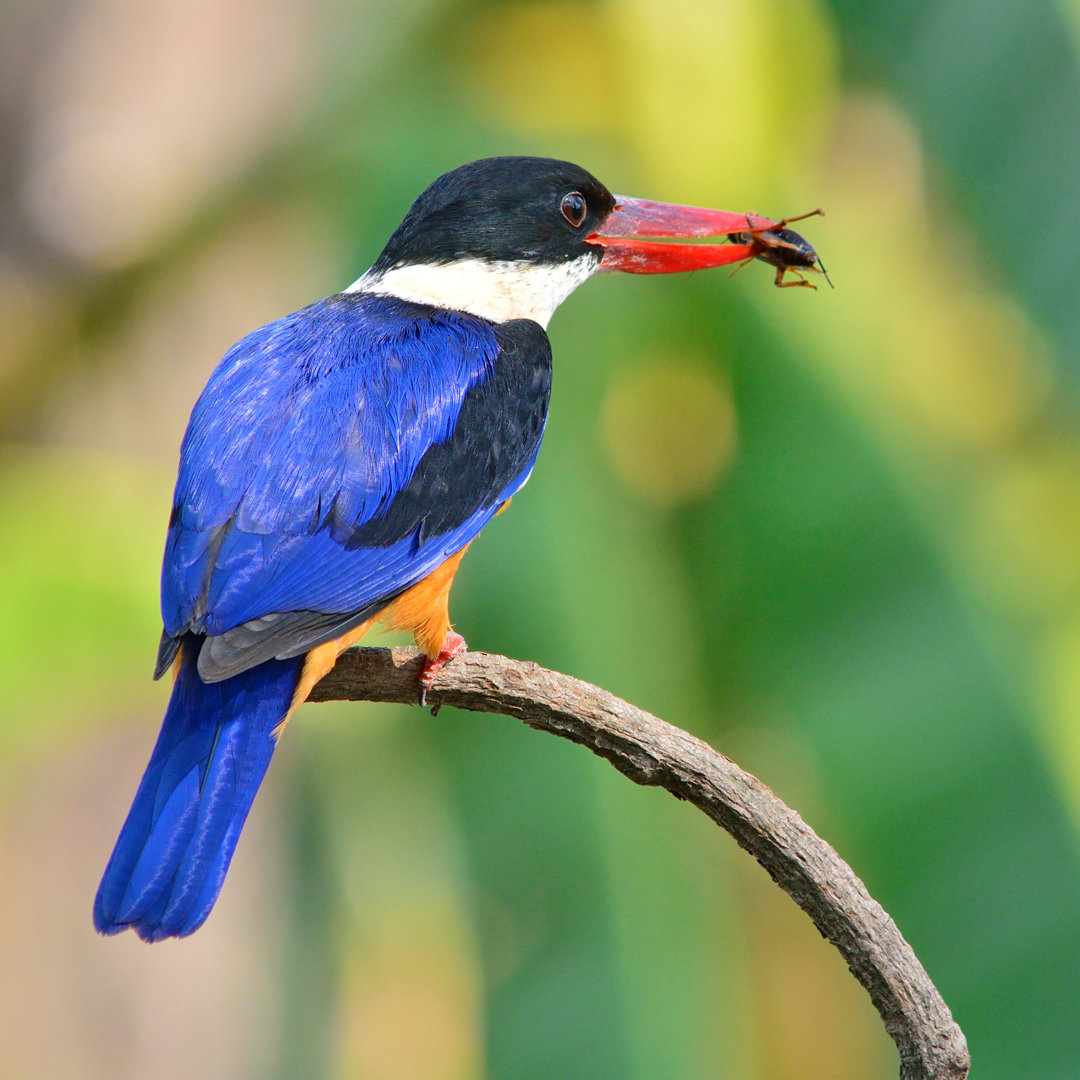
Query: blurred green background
x,y
836,534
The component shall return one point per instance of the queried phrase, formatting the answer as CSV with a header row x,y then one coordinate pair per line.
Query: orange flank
x,y
422,610
316,664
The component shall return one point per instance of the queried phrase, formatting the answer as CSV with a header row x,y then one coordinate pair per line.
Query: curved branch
x,y
649,751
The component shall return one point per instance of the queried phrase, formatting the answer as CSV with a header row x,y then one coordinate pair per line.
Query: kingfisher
x,y
336,468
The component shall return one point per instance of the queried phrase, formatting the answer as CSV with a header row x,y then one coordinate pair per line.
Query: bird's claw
x,y
454,645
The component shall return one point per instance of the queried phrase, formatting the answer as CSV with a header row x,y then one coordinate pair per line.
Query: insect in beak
x,y
783,248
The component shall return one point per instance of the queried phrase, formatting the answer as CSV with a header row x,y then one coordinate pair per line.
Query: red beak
x,y
621,233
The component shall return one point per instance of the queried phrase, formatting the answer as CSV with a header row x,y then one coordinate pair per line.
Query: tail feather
x,y
174,850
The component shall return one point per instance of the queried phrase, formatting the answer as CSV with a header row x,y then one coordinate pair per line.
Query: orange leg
x,y
739,266
782,284
422,609
316,664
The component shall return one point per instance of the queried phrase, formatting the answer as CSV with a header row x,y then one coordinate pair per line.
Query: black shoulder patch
x,y
497,434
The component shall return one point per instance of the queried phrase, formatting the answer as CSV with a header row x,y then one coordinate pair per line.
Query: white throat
x,y
498,291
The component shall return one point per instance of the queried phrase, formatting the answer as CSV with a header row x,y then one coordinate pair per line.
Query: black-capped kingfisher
x,y
335,468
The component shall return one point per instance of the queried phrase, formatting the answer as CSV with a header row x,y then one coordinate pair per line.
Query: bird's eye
x,y
574,208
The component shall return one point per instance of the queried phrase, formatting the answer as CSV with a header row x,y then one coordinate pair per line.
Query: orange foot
x,y
454,645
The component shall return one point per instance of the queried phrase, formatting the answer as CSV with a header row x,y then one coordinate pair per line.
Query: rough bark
x,y
650,751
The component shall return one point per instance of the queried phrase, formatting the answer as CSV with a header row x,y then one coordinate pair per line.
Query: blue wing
x,y
336,457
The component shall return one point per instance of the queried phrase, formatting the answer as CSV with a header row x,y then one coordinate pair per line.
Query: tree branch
x,y
649,751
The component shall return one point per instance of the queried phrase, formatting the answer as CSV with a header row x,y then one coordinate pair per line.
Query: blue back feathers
x,y
336,457
309,427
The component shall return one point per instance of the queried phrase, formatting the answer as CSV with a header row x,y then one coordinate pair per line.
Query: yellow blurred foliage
x,y
724,99
703,93
1058,678
80,544
669,428
409,1007
918,341
542,68
1024,531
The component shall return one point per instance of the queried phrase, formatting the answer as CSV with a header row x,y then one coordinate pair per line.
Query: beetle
x,y
783,248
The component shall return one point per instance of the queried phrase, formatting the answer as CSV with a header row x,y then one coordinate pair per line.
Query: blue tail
x,y
174,850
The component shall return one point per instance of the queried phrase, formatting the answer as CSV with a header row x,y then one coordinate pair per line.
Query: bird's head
x,y
512,237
